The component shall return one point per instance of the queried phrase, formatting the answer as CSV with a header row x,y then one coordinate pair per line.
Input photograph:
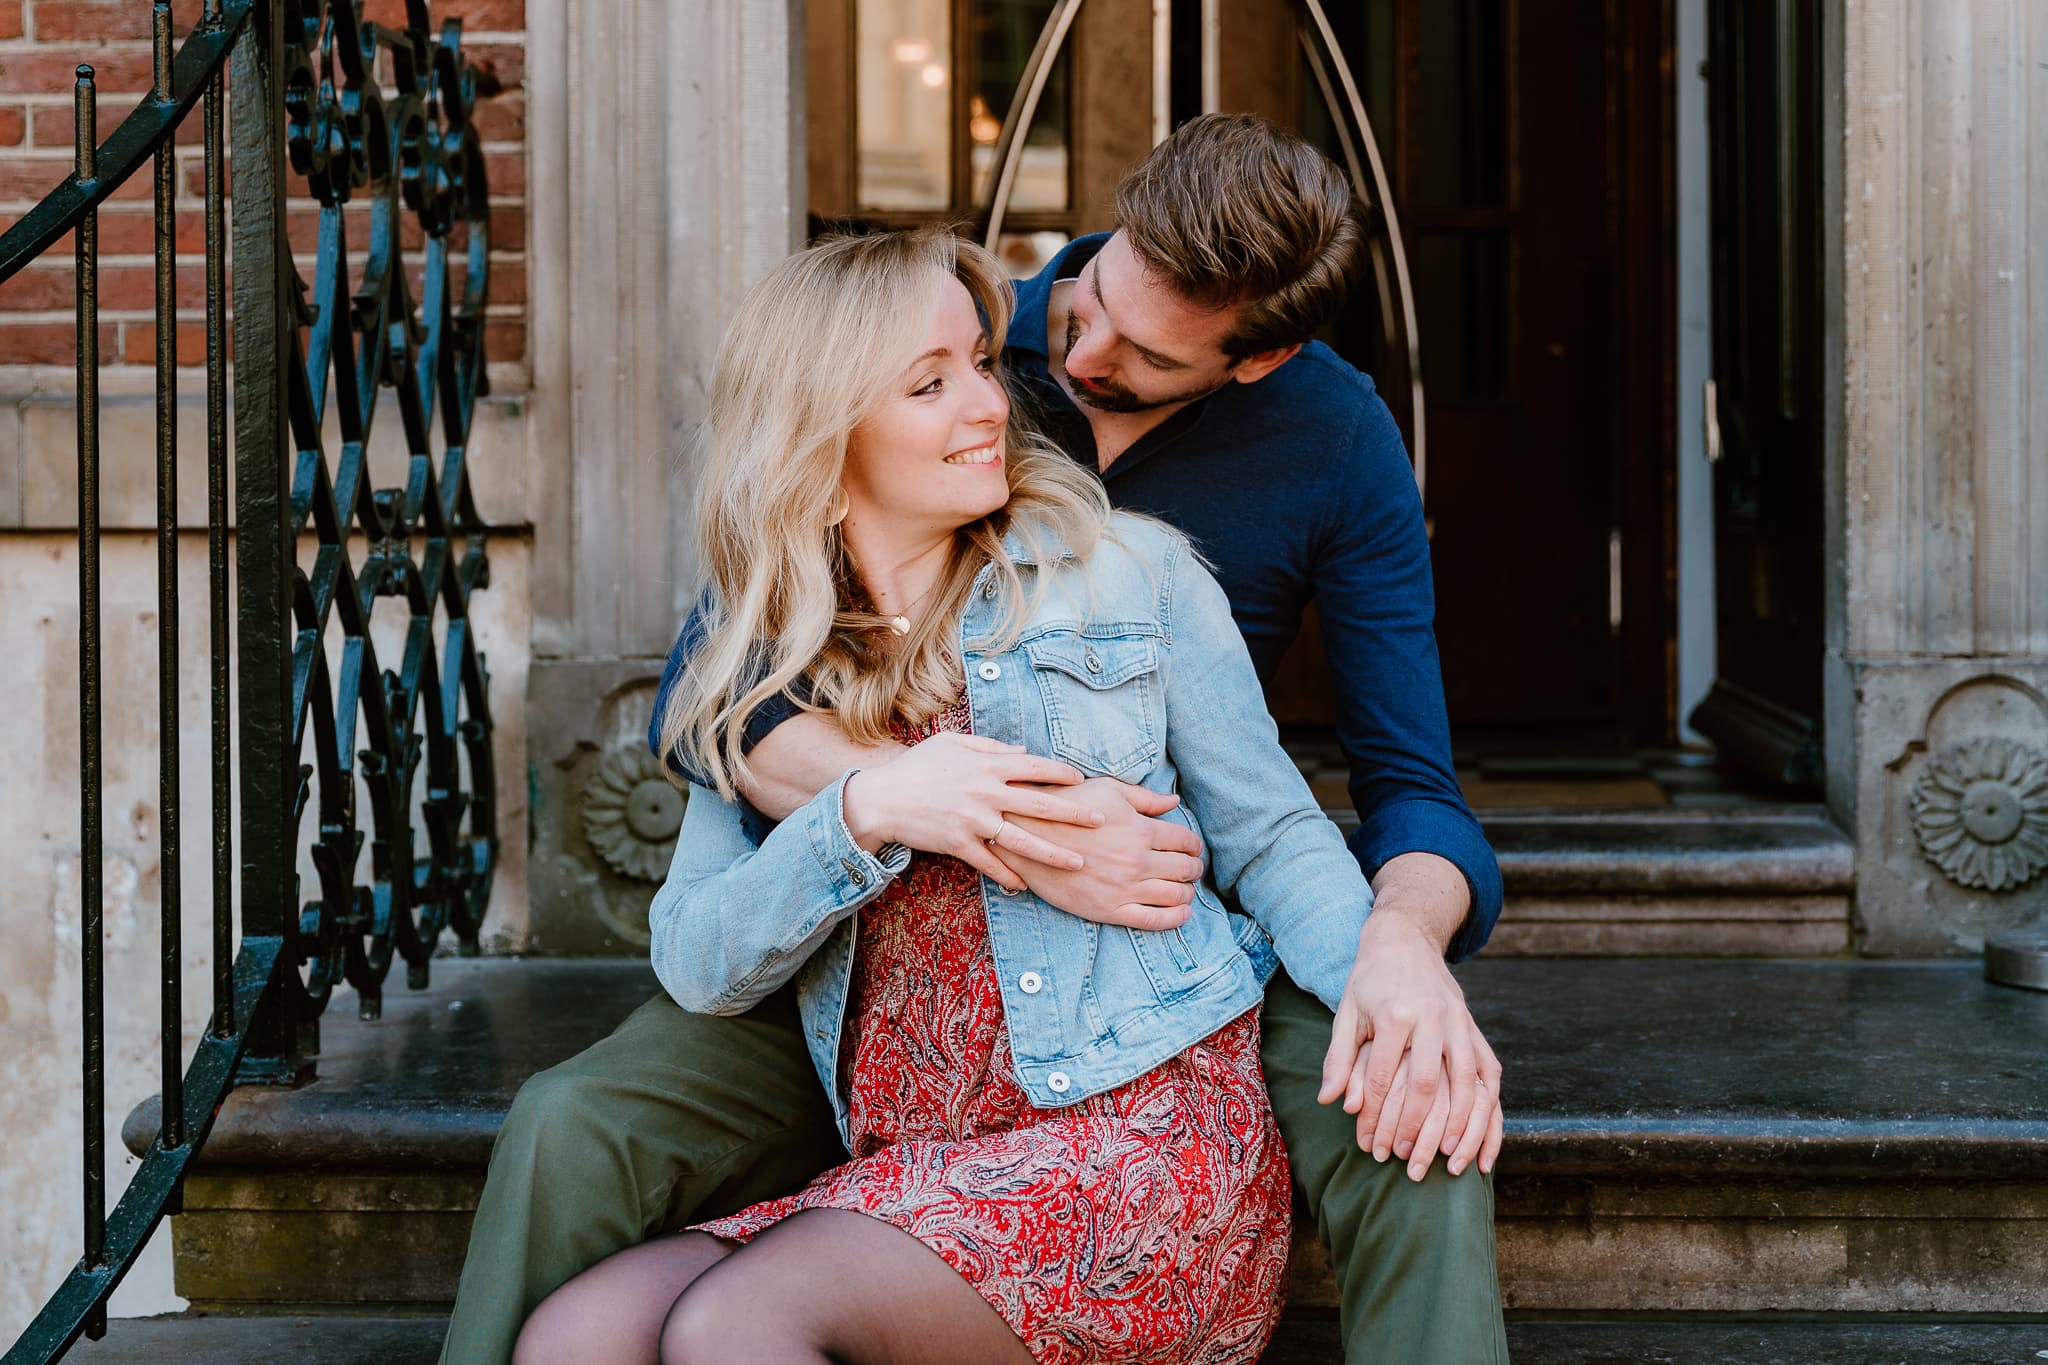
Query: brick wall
x,y
41,41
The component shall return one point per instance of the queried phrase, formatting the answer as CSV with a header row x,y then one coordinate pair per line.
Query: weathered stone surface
x,y
1684,1136
581,711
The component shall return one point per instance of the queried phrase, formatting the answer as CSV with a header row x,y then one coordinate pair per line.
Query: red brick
x,y
50,343
47,286
10,18
502,118
53,126
13,125
504,62
99,21
477,16
47,71
131,231
138,343
505,172
505,340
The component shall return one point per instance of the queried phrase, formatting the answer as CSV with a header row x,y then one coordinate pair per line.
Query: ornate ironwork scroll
x,y
415,737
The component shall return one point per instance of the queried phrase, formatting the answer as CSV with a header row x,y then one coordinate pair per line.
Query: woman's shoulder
x,y
1143,541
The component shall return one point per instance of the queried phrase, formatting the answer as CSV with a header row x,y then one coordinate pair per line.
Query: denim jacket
x,y
1133,669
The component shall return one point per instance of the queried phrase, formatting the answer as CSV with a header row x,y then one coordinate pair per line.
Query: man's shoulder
x,y
1319,403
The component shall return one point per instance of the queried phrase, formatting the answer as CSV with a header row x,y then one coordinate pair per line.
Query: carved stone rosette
x,y
631,813
1980,813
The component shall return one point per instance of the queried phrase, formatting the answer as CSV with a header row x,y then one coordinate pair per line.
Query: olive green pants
x,y
679,1117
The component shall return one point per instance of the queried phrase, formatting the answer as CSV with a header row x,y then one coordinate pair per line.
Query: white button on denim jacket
x,y
1132,670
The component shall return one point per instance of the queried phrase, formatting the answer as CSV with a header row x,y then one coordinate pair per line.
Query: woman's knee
x,y
709,1326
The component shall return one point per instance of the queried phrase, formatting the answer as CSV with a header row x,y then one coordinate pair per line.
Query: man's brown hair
x,y
1233,210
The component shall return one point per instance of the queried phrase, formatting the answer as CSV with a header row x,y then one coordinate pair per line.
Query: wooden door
x,y
1763,109
1526,146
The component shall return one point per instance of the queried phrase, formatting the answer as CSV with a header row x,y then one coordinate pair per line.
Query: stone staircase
x,y
1709,1159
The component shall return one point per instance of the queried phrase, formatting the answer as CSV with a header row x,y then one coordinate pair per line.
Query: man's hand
x,y
965,795
1405,1054
1136,870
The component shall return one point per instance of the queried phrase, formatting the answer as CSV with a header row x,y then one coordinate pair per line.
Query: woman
x,y
1062,1146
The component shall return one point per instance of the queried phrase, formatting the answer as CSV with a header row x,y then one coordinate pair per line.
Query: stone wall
x,y
1938,651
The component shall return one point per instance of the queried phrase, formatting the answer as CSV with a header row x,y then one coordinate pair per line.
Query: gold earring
x,y
836,511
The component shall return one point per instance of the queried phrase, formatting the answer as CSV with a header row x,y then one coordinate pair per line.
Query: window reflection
x,y
903,114
1004,33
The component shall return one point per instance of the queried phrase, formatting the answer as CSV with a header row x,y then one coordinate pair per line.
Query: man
x,y
1171,356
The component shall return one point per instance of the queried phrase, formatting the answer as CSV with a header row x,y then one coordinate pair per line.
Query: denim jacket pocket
x,y
1102,700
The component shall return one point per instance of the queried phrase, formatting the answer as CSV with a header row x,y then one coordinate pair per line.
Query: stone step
x,y
1685,1136
1675,882
1305,1338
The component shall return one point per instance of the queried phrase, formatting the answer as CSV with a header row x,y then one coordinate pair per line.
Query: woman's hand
x,y
954,794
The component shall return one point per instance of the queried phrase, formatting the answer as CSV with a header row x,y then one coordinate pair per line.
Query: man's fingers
x,y
1167,837
1022,842
1145,801
1425,1078
1173,867
980,744
1371,1083
1380,1134
1132,915
1431,1135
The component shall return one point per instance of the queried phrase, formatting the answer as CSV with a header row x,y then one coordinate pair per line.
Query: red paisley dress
x,y
1149,1223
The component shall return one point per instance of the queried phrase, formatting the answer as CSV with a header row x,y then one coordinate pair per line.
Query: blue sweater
x,y
1296,488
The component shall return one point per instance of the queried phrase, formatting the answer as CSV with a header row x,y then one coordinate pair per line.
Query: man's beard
x,y
1109,396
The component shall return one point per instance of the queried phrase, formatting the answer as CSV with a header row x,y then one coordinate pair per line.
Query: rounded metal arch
x,y
1339,89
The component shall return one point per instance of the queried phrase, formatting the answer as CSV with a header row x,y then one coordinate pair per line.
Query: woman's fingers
x,y
978,855
1491,1151
1020,841
1463,1097
1012,766
1426,1142
1477,1125
1378,1132
1342,1055
1058,809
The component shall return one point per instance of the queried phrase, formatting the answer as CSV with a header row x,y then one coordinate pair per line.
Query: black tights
x,y
823,1287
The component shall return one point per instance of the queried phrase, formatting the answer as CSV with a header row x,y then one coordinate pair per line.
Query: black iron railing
x,y
357,112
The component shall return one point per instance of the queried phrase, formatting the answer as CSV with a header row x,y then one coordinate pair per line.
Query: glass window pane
x,y
1024,254
903,78
1461,104
1005,31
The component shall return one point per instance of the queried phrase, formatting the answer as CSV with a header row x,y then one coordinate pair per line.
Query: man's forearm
x,y
800,758
1422,891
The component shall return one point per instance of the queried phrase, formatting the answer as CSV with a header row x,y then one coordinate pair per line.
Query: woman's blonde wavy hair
x,y
816,347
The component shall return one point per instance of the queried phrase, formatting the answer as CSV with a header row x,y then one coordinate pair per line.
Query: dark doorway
x,y
1764,410
1529,159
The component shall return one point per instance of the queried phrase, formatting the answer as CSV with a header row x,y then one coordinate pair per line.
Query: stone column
x,y
1938,658
667,162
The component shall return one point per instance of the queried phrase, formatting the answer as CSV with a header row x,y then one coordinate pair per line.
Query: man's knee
x,y
1373,1203
557,1114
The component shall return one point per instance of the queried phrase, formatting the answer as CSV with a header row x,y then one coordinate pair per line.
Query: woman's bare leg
x,y
837,1288
612,1313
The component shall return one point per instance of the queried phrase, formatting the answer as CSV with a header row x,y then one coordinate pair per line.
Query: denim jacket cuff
x,y
855,875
